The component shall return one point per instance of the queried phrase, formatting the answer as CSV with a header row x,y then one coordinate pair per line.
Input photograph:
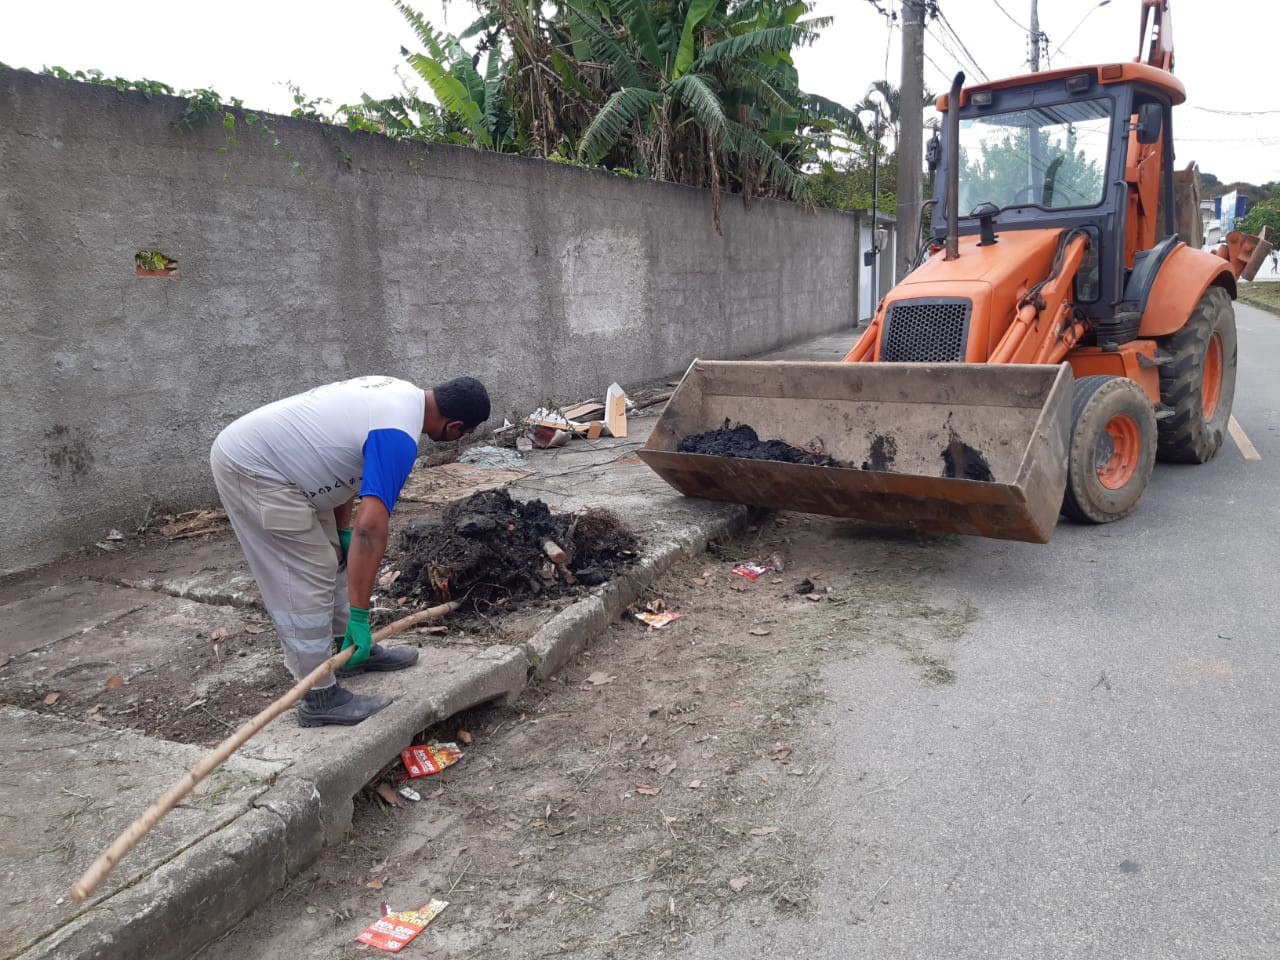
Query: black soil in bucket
x,y
744,443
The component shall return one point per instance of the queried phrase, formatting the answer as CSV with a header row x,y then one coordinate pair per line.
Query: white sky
x,y
338,50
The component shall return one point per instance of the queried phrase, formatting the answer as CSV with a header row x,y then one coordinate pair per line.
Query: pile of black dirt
x,y
744,443
489,548
961,461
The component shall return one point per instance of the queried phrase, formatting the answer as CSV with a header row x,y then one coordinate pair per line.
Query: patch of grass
x,y
1264,295
935,670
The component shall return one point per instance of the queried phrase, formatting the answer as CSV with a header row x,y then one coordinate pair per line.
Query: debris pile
x,y
490,548
743,442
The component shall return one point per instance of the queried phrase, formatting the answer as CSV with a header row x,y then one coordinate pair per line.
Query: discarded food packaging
x,y
393,932
750,570
425,759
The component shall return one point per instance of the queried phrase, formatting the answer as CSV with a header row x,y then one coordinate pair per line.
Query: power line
x,y
950,51
1236,113
952,30
1010,16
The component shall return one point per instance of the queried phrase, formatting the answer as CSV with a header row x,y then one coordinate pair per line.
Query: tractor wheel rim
x,y
1211,390
1126,446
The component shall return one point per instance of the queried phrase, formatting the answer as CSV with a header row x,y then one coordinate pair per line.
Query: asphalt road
x,y
1103,778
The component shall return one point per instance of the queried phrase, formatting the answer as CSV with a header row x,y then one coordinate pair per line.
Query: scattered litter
x,y
219,634
738,884
615,411
51,698
750,570
115,535
410,794
425,759
777,562
590,410
312,909
388,793
487,456
600,678
759,631
115,683
376,884
646,790
465,738
805,586
656,621
815,597
194,523
394,931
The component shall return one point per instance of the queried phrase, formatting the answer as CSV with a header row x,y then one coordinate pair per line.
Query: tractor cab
x,y
1085,150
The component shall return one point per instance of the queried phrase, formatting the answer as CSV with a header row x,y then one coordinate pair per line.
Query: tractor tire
x,y
1112,451
1198,381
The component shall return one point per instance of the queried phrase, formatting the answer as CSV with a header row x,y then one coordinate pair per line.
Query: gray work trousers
x,y
295,556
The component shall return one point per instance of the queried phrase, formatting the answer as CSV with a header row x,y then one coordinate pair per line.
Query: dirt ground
x,y
665,780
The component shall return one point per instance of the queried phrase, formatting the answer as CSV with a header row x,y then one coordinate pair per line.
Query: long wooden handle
x,y
121,846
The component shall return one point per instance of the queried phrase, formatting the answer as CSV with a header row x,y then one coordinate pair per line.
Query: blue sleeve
x,y
389,456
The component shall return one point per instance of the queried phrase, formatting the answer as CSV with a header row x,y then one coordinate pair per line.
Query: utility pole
x,y
910,134
1035,36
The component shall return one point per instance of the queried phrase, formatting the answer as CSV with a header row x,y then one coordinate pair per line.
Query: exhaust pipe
x,y
953,169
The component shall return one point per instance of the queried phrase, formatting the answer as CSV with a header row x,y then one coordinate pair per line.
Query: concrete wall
x,y
421,262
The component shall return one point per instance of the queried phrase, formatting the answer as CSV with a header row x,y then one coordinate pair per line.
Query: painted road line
x,y
1247,449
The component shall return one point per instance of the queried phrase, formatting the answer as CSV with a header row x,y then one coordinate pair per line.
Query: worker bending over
x,y
288,474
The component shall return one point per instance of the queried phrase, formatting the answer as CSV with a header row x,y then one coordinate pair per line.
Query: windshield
x,y
1053,157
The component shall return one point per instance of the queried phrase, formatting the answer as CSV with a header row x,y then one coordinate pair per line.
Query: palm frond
x,y
753,44
606,48
635,13
694,90
452,94
607,127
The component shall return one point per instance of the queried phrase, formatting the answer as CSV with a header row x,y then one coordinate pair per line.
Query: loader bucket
x,y
904,431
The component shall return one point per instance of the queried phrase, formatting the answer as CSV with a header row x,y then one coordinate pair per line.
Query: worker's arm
x,y
368,543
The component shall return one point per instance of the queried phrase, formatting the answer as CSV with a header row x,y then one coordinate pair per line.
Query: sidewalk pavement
x,y
169,639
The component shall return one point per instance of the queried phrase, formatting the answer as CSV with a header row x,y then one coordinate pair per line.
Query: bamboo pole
x,y
140,827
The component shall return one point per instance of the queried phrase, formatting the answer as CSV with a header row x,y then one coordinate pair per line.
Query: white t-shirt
x,y
357,435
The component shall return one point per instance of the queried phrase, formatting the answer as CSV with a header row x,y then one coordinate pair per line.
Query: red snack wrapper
x,y
426,759
750,570
395,931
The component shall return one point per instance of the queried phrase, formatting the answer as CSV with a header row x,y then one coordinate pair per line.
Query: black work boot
x,y
382,660
337,705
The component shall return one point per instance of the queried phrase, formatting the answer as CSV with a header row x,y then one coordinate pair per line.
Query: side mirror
x,y
1150,120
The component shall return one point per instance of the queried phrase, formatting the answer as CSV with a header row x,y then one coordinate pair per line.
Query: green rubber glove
x,y
358,636
344,541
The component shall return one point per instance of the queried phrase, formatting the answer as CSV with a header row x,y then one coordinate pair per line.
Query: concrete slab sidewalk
x,y
147,615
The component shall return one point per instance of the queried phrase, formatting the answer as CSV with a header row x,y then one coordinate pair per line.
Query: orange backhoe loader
x,y
1048,346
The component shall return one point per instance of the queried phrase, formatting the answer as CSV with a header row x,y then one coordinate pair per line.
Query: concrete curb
x,y
569,631
211,886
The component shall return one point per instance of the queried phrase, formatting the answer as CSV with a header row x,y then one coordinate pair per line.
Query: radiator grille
x,y
926,331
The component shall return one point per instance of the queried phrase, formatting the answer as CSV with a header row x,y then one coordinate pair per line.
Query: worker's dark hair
x,y
463,398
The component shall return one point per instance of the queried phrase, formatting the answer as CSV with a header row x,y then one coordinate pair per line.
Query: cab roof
x,y
1106,74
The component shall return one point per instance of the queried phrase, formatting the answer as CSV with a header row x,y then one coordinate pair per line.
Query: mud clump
x,y
884,450
489,548
744,443
961,461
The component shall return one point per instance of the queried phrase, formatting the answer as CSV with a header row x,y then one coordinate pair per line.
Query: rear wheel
x,y
1198,381
1113,449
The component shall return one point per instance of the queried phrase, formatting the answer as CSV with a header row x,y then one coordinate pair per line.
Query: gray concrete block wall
x,y
423,262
